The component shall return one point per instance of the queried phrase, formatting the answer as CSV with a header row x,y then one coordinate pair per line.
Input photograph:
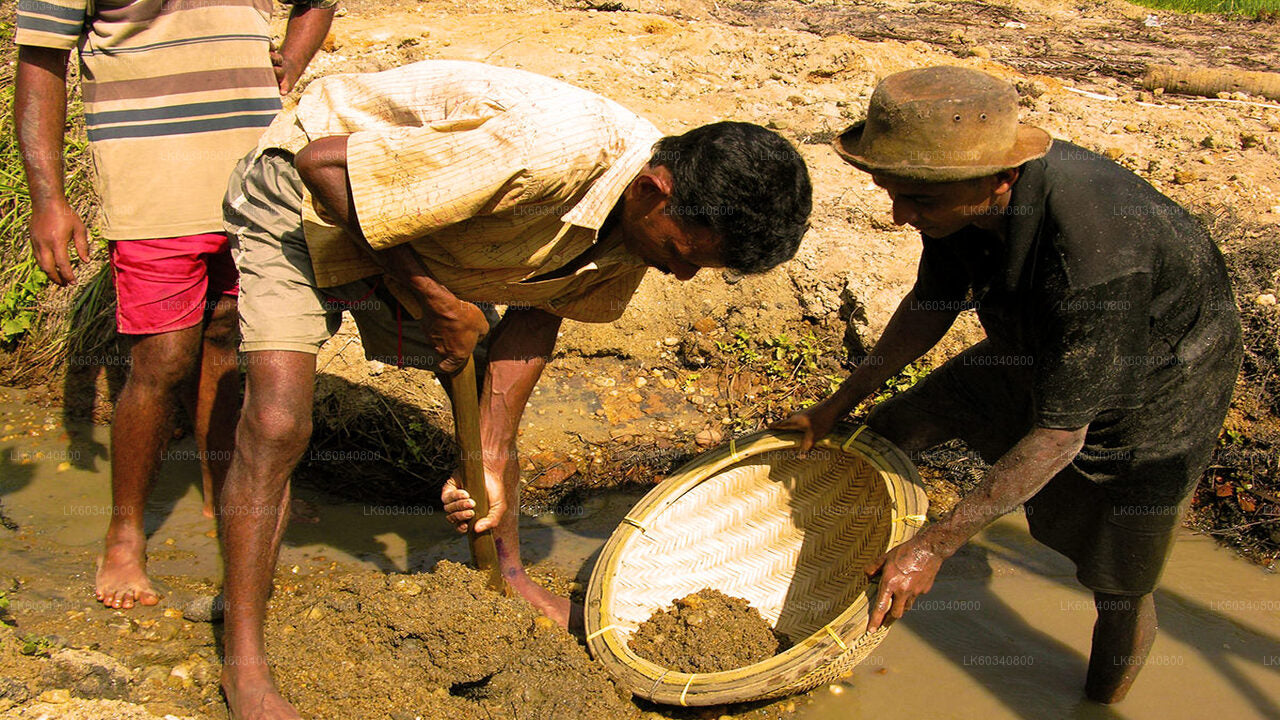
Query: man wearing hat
x,y
1112,347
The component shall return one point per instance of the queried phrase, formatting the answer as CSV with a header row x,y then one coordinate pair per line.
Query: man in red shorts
x,y
174,94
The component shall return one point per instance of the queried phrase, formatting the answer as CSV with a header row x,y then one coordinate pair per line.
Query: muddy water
x,y
1004,633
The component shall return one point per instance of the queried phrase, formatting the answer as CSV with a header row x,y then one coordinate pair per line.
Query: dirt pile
x,y
706,632
429,645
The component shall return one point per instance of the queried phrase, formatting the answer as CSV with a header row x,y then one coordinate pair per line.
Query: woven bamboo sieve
x,y
754,519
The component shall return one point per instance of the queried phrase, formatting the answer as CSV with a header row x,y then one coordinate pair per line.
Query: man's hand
x,y
287,70
460,508
815,421
454,334
54,226
906,572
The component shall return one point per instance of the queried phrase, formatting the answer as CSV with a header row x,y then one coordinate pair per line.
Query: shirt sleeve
x,y
1093,351
409,182
54,24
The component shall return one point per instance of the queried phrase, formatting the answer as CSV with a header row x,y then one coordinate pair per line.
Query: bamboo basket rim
x,y
841,636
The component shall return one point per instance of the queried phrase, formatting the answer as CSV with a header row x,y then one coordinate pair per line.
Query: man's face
x,y
941,209
660,239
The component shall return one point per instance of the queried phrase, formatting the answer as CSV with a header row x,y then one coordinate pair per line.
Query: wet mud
x,y
707,632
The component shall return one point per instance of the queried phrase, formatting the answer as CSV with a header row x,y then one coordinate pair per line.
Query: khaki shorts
x,y
281,308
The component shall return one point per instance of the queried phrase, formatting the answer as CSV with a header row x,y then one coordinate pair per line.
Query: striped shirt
x,y
175,92
496,177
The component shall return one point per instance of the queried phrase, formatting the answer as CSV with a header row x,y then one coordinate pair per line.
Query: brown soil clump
x,y
707,632
438,644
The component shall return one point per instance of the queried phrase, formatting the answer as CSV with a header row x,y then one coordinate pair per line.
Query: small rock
x,y
778,124
543,623
1184,177
671,341
605,382
980,51
1130,127
710,437
641,382
1266,299
635,397
405,586
14,690
376,367
1248,141
91,673
60,696
206,608
1113,153
705,325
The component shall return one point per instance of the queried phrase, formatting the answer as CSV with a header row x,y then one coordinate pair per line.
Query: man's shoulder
x,y
1104,221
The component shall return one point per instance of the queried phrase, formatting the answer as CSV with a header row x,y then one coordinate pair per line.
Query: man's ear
x,y
1005,180
654,183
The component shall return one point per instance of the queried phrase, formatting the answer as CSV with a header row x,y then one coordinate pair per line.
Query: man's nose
x,y
683,270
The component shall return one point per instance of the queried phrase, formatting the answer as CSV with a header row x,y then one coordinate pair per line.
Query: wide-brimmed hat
x,y
941,124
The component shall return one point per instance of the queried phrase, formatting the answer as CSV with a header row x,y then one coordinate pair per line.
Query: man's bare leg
x,y
215,405
1122,637
140,431
519,349
252,512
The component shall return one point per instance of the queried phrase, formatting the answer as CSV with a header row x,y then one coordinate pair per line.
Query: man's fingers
x,y
81,235
62,259
488,522
884,601
276,58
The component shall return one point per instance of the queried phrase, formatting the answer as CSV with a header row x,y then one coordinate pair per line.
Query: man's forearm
x,y
40,118
911,332
522,345
1014,478
304,34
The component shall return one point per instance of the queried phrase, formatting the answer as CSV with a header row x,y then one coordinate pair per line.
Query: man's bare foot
x,y
122,576
544,601
255,698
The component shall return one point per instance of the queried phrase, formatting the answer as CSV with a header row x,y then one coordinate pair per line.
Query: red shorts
x,y
170,284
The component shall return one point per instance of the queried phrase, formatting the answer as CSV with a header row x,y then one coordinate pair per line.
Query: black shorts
x,y
1119,546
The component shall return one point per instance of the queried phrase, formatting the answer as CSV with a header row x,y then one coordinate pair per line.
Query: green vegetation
x,y
1262,9
37,645
38,322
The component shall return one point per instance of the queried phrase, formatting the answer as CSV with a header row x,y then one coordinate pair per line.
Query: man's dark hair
x,y
746,183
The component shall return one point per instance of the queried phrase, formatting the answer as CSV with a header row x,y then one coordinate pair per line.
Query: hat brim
x,y
1032,143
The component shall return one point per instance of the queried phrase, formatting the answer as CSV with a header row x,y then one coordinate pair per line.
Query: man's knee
x,y
1121,608
274,428
909,432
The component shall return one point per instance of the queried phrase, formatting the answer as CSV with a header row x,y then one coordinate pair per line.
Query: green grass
x,y
1262,9
34,331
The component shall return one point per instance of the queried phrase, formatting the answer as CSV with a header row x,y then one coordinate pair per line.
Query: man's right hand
x,y
815,421
53,227
454,334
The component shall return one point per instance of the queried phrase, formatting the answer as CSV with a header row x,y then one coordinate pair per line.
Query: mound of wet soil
x,y
434,645
705,632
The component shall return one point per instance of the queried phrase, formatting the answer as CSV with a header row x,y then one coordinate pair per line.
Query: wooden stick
x,y
1209,82
466,421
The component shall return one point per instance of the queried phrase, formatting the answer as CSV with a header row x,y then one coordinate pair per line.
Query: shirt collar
x,y
1026,215
590,212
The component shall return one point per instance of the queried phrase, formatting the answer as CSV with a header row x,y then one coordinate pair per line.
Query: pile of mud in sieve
x,y
707,632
